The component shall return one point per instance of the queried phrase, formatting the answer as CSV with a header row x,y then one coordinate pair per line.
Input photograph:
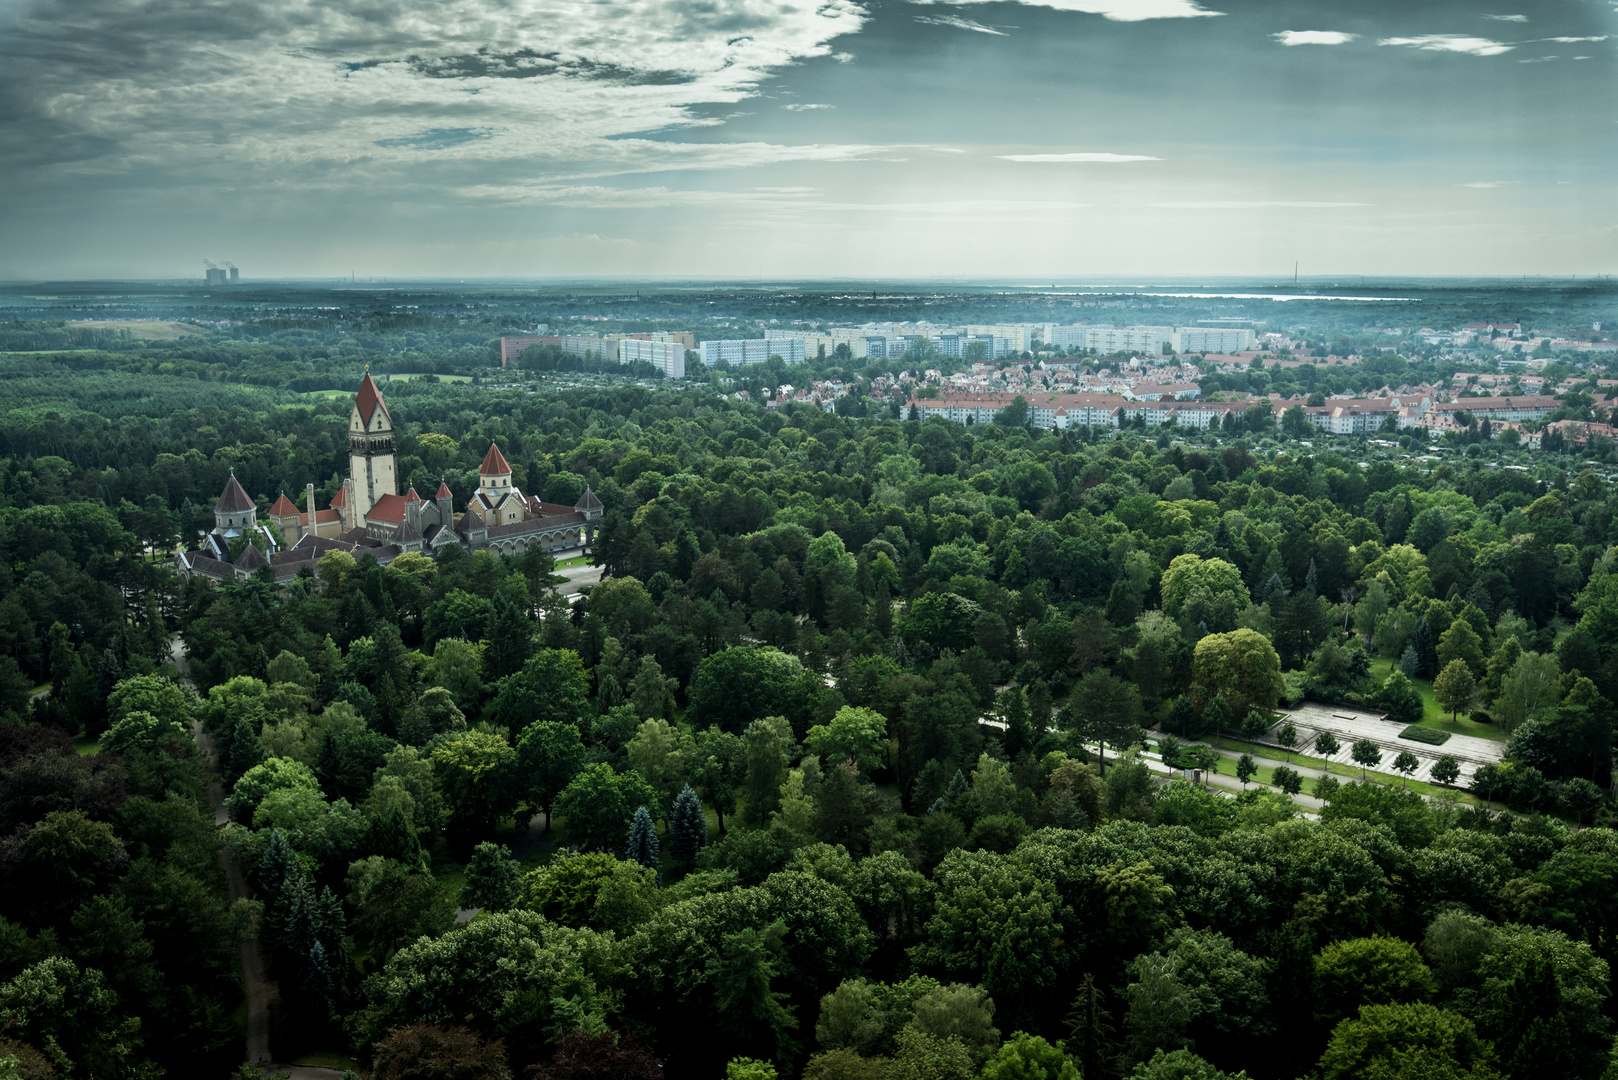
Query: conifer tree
x,y
1019,733
643,840
688,828
957,788
492,879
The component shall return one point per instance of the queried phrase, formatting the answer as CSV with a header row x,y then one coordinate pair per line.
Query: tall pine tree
x,y
688,827
643,840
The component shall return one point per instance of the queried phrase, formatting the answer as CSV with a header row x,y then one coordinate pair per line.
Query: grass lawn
x,y
86,745
1433,714
1347,772
576,560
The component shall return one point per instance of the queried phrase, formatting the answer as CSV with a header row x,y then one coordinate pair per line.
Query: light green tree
x,y
854,734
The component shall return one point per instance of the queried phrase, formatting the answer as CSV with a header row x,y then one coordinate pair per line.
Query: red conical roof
x,y
411,496
443,491
494,463
234,500
283,506
368,399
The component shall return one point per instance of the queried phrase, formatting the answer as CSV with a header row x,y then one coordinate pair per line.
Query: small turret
x,y
234,514
589,505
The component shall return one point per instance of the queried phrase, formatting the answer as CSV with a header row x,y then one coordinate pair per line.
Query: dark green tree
x,y
493,878
688,826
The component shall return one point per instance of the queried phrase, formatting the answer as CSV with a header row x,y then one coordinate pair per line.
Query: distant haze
x,y
745,138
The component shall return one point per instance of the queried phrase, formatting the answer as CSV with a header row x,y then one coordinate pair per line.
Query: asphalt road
x,y
578,577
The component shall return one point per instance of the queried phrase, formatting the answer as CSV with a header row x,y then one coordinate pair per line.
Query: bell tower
x,y
372,464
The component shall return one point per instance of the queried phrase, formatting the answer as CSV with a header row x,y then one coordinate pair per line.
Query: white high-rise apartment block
x,y
1136,339
666,356
1019,336
1228,340
1067,337
751,350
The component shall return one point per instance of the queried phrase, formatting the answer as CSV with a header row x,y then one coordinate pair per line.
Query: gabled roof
x,y
368,400
389,508
234,500
494,463
588,500
407,531
283,507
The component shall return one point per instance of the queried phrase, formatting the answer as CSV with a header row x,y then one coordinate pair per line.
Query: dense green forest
x,y
733,810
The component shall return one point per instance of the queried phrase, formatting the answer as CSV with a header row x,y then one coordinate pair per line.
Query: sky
x,y
1057,140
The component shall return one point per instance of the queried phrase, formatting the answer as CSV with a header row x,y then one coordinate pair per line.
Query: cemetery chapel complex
x,y
368,516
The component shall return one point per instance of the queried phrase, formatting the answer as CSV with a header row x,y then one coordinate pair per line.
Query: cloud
x,y
1117,10
1538,60
437,138
1105,158
806,108
353,95
960,24
1507,18
1487,183
790,200
1573,40
1314,37
1455,43
1253,205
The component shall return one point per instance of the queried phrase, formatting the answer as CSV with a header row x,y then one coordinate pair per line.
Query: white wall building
x,y
1136,339
666,356
751,350
1201,339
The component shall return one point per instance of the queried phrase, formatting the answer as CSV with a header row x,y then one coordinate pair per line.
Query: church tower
x,y
372,464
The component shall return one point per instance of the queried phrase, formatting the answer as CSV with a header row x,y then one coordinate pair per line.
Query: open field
x,y
143,329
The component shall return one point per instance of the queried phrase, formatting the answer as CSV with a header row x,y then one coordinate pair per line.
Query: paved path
x,y
1154,762
578,577
256,985
1350,725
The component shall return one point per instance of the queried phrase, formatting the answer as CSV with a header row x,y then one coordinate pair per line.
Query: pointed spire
x,y
234,499
368,399
494,463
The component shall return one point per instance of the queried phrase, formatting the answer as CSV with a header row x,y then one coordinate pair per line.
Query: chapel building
x,y
368,516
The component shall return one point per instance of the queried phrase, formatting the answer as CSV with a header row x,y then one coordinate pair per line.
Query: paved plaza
x,y
1349,725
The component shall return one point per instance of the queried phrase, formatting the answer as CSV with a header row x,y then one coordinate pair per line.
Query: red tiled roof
x,y
283,507
368,399
411,496
339,500
443,491
494,463
234,500
389,508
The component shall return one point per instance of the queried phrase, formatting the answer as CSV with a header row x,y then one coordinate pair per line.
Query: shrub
x,y
1430,736
1481,717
